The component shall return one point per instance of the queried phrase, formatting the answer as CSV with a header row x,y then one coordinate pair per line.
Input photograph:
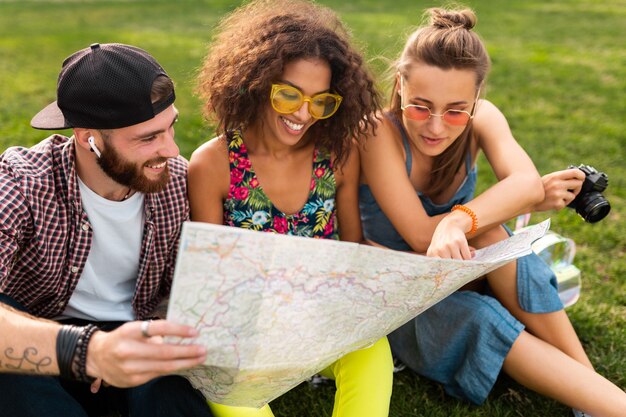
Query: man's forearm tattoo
x,y
26,361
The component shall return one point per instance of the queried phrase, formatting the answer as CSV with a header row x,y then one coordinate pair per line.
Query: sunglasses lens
x,y
456,117
416,112
323,106
286,99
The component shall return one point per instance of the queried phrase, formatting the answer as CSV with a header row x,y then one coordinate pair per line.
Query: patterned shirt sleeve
x,y
14,220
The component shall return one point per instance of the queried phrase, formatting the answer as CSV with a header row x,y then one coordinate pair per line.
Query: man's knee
x,y
35,395
167,396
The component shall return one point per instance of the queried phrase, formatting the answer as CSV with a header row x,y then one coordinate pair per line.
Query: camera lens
x,y
593,207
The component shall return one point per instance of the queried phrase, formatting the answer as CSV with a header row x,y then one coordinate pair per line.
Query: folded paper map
x,y
273,310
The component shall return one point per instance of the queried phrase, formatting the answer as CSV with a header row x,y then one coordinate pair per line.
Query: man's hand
x,y
128,356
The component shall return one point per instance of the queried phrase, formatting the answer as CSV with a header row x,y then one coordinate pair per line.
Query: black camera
x,y
590,204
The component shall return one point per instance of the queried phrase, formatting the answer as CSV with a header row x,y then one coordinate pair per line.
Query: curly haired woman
x,y
289,94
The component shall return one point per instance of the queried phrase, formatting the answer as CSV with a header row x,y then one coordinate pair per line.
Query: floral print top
x,y
248,207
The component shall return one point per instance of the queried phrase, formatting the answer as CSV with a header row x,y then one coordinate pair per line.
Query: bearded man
x,y
89,229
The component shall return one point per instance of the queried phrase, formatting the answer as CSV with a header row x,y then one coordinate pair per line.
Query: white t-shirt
x,y
106,286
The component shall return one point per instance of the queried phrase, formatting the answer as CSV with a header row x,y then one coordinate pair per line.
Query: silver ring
x,y
144,328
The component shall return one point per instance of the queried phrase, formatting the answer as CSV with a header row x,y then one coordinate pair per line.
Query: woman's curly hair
x,y
250,50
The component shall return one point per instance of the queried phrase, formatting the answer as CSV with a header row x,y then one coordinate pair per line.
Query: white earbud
x,y
93,146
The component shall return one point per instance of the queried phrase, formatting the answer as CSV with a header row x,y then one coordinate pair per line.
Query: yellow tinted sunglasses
x,y
287,99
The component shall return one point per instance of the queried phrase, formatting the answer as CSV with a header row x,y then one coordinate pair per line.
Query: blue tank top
x,y
376,225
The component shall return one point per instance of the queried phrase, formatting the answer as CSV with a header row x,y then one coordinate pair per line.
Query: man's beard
x,y
130,174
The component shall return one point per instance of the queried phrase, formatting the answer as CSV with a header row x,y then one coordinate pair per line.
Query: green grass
x,y
559,74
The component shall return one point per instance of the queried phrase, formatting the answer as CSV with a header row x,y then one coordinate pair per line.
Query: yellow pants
x,y
363,379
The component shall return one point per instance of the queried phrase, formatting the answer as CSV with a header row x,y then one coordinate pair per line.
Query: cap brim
x,y
50,118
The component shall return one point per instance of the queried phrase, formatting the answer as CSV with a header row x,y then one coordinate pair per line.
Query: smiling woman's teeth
x,y
292,125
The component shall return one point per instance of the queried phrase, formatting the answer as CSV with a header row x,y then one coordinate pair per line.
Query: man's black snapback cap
x,y
104,86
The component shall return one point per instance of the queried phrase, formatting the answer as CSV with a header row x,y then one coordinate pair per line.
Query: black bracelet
x,y
71,347
80,355
65,347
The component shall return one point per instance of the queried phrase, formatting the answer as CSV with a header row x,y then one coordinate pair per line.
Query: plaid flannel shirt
x,y
45,235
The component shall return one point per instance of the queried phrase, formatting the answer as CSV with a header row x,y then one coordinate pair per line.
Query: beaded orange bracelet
x,y
469,213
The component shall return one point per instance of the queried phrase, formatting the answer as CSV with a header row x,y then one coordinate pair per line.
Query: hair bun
x,y
450,19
